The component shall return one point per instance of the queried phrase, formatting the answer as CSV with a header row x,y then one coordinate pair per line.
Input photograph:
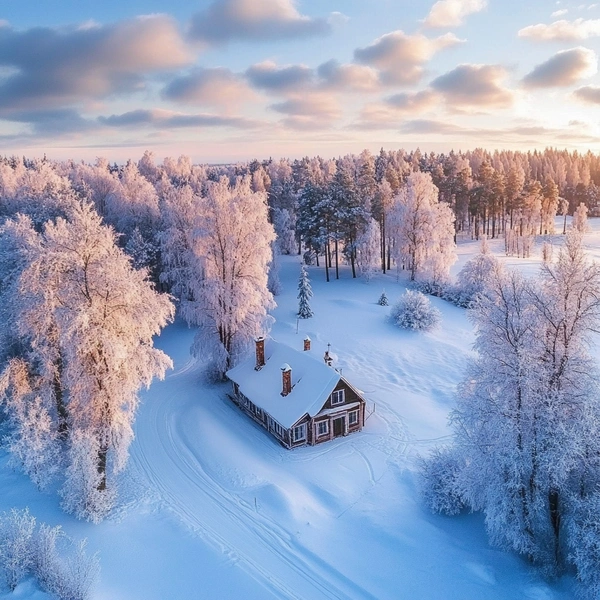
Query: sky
x,y
232,80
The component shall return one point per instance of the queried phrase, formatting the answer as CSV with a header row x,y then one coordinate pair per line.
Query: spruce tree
x,y
383,299
304,294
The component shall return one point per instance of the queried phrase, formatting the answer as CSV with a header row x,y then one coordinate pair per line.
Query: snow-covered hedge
x,y
414,311
69,574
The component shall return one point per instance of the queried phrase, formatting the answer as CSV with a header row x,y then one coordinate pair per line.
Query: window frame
x,y
302,429
336,395
324,423
350,421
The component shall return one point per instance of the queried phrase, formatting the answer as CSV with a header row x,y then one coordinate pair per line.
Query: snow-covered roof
x,y
312,382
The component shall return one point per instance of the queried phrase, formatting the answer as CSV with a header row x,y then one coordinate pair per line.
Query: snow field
x,y
216,508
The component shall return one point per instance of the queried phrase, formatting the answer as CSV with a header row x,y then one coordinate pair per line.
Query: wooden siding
x,y
329,413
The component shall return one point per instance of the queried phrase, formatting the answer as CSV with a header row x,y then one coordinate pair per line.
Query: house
x,y
299,399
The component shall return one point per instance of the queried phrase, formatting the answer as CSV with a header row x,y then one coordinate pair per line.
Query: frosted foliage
x,y
368,250
415,311
527,418
580,218
383,299
284,225
141,251
424,230
585,553
474,277
62,567
304,294
273,281
81,493
231,252
180,247
438,481
33,442
90,319
16,531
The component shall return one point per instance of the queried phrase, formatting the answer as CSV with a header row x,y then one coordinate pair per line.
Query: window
x,y
299,433
353,417
337,397
322,428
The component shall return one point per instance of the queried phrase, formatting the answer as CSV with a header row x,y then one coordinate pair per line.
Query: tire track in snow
x,y
220,517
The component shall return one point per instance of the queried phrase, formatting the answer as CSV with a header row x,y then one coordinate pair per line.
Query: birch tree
x,y
102,315
230,300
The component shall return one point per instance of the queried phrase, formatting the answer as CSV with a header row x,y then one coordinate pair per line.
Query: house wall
x,y
328,414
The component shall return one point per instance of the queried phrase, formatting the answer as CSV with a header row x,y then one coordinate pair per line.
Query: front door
x,y
338,426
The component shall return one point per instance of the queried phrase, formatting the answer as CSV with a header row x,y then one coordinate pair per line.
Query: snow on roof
x,y
312,383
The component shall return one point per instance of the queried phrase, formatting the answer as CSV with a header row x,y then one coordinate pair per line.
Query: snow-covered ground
x,y
213,507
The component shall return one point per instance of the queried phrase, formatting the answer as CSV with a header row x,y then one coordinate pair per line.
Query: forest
x,y
97,258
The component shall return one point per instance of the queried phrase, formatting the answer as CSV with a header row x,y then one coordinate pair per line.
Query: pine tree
x,y
304,294
383,299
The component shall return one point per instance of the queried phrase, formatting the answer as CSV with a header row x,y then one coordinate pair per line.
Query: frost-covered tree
x,y
80,290
368,250
423,229
527,413
580,222
228,299
304,294
474,277
415,311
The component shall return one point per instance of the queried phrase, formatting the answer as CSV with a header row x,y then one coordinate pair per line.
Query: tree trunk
x,y
102,454
327,265
61,409
337,265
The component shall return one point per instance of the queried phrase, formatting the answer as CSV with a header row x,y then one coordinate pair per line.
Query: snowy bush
x,y
68,575
16,531
414,311
439,474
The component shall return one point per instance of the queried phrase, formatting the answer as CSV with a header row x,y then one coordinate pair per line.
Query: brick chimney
x,y
260,353
306,343
286,379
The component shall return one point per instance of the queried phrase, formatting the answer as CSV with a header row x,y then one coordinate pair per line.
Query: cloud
x,y
451,13
401,57
49,123
426,126
559,13
474,86
169,119
348,77
268,76
59,67
563,69
382,115
588,93
217,87
313,111
562,31
254,20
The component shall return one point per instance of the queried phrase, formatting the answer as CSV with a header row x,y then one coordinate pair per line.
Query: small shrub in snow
x,y
383,300
439,474
16,530
414,311
80,574
69,575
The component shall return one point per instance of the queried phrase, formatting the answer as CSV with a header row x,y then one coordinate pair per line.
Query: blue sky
x,y
228,80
